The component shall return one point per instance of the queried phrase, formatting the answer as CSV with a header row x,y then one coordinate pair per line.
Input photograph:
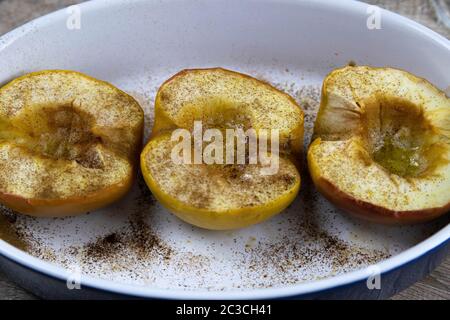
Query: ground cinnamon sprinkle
x,y
144,241
300,246
103,247
136,238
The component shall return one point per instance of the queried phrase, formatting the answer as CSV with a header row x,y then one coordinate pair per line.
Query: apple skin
x,y
66,206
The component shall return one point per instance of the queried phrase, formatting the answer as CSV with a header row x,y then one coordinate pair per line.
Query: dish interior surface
x,y
138,242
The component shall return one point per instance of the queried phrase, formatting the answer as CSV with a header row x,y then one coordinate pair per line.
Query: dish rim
x,y
417,251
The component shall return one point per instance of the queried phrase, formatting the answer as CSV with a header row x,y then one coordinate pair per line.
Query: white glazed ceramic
x,y
136,45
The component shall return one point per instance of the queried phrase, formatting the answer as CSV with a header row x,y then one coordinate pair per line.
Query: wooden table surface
x,y
436,286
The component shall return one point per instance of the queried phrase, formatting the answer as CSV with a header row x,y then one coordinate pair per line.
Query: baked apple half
x,y
68,143
381,145
223,194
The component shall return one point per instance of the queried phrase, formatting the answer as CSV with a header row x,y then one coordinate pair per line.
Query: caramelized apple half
x,y
381,145
223,195
68,143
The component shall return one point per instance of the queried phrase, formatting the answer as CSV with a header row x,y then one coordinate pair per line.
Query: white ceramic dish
x,y
311,249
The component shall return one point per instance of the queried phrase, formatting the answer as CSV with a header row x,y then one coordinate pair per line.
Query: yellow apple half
x,y
381,145
222,196
68,143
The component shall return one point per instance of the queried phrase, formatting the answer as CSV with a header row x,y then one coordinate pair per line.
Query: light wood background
x,y
436,286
